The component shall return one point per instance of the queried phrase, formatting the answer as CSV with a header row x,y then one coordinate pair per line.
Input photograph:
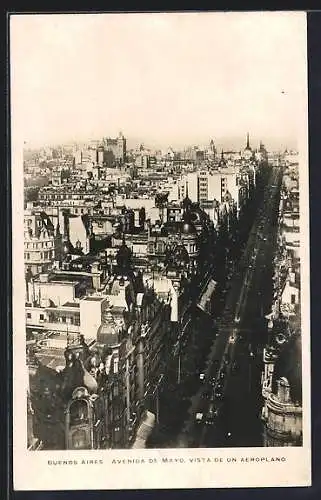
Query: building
x,y
116,146
282,411
42,241
282,356
207,185
102,376
247,153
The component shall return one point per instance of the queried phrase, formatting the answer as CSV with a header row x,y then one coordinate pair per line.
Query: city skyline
x,y
199,76
225,144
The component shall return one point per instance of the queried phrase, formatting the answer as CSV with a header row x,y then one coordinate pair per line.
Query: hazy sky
x,y
164,79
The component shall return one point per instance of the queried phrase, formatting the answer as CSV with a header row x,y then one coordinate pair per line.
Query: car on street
x,y
199,417
219,388
219,393
211,415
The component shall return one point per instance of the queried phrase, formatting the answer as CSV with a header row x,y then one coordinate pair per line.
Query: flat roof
x,y
71,304
59,281
94,299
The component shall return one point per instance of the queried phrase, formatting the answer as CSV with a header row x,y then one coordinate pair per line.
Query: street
x,y
238,423
231,371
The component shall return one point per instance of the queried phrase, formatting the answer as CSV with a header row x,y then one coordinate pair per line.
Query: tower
x,y
82,427
248,141
247,152
121,147
124,258
222,160
212,149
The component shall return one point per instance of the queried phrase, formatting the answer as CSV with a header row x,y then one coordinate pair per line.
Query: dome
x,y
199,217
188,226
289,367
181,256
67,248
177,257
108,331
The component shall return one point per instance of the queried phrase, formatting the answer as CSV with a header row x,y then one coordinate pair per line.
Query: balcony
x,y
280,407
55,326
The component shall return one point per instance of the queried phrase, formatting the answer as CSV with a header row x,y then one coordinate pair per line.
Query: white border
x,y
31,469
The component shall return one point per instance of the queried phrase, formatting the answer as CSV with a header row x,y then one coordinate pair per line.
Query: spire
x,y
58,229
222,160
186,202
123,257
66,226
247,141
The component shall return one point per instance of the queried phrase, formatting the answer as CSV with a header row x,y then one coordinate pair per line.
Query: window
x,y
28,315
41,317
293,298
160,247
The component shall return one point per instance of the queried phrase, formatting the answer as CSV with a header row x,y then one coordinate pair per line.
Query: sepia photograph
x,y
160,249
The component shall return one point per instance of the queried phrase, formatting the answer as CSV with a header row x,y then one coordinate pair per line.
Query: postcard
x,y
161,297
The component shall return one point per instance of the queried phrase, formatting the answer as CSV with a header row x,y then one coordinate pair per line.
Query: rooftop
x,y
71,304
94,298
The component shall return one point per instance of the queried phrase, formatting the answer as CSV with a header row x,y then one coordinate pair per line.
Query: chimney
x,y
96,275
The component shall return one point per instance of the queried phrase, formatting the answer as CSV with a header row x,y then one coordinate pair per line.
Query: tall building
x,y
282,391
211,151
282,357
247,152
116,146
42,241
